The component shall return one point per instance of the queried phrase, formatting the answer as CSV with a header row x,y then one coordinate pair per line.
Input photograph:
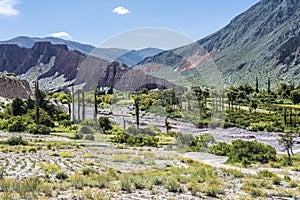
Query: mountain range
x,y
128,57
56,67
262,42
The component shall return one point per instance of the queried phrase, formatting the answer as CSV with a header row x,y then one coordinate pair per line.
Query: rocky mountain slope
x,y
262,42
134,57
57,67
128,57
12,87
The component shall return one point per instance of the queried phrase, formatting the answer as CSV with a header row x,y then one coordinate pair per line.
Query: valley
x,y
214,118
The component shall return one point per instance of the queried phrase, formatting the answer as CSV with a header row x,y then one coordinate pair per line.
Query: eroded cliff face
x,y
56,67
12,87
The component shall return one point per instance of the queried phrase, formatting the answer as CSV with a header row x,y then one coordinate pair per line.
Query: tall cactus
x,y
73,104
269,85
137,110
256,85
83,106
37,101
284,116
291,116
95,103
78,110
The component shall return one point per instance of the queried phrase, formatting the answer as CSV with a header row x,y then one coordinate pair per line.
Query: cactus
x,y
137,110
78,110
37,101
73,104
269,86
291,116
284,116
83,106
95,103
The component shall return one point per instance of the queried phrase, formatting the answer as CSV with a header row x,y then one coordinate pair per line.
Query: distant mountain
x,y
57,67
28,42
128,57
262,42
134,57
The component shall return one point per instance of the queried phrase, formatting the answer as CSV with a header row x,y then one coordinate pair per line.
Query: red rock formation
x,y
11,87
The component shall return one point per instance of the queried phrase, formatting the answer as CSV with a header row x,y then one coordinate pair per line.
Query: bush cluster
x,y
245,152
13,141
137,137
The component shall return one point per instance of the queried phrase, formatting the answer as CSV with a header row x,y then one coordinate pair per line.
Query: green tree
x,y
295,96
287,140
18,107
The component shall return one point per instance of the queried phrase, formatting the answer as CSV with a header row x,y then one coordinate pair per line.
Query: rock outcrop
x,y
12,87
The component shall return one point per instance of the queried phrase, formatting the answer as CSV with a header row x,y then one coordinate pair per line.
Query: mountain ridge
x,y
57,67
260,42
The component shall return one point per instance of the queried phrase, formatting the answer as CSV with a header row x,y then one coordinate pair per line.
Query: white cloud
x,y
7,8
121,10
63,35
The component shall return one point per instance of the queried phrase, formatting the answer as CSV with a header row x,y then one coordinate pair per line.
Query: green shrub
x,y
77,181
38,129
89,137
45,119
254,192
86,130
77,136
251,150
18,123
184,139
220,149
105,124
61,175
94,124
16,141
212,190
134,130
202,124
65,123
245,152
63,117
136,140
172,185
276,180
127,184
202,141
265,174
2,171
87,170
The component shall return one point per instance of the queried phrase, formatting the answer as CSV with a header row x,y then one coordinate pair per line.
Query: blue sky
x,y
94,21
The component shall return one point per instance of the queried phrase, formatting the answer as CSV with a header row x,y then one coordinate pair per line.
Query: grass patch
x,y
66,154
